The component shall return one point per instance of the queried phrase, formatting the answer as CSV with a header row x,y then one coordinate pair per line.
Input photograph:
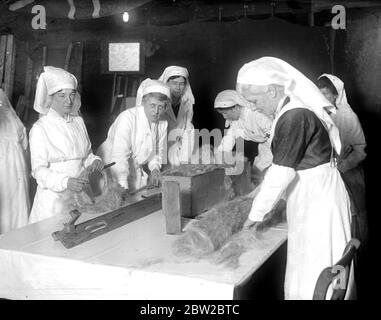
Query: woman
x,y
59,143
353,150
352,154
14,169
245,122
179,115
136,140
303,141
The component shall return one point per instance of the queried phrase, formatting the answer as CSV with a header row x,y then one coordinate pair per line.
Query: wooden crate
x,y
200,192
242,183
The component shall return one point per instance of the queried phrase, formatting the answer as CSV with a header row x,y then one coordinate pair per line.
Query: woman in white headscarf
x,y
14,169
179,115
352,153
304,141
247,122
59,143
136,140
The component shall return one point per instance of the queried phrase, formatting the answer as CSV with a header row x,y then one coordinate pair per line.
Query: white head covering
x,y
10,124
345,118
341,100
150,86
51,81
229,98
270,70
176,71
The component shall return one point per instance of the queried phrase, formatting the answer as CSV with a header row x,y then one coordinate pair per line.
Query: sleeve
x,y
263,122
264,158
274,184
355,139
189,124
188,137
44,176
228,141
291,138
90,157
289,142
121,149
156,162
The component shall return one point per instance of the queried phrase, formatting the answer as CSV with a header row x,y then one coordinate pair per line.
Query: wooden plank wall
x,y
7,63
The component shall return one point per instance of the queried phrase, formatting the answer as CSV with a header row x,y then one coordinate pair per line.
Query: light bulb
x,y
126,16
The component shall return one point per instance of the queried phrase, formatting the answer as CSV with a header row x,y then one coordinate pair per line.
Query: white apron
x,y
14,184
181,126
318,217
137,178
47,203
142,145
59,150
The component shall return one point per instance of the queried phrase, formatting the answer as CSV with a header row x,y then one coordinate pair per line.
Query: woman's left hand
x,y
249,223
96,165
155,177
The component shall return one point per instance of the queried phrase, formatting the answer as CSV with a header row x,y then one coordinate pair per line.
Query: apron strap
x,y
333,160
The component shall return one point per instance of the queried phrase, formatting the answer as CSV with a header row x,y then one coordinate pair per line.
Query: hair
x,y
159,96
229,108
324,82
174,77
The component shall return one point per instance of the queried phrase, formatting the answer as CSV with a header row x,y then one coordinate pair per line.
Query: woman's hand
x,y
249,224
76,184
155,177
96,165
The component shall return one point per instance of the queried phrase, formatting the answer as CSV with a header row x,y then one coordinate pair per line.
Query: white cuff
x,y
274,184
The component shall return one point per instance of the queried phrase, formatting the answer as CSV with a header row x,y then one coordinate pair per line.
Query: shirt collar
x,y
54,114
281,104
244,113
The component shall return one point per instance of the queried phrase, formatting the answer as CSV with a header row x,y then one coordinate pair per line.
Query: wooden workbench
x,y
132,262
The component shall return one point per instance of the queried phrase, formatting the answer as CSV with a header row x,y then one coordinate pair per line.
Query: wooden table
x,y
131,262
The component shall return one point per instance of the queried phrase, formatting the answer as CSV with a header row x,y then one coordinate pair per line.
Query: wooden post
x,y
28,85
9,66
113,98
171,207
75,62
44,55
3,49
311,15
68,56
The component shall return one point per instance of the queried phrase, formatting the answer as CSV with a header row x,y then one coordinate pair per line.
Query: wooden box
x,y
200,192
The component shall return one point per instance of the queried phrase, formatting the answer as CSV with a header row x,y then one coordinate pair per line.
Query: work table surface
x,y
132,262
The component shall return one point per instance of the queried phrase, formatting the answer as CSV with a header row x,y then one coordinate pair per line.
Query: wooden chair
x,y
329,273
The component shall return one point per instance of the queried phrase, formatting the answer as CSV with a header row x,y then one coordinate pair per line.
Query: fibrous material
x,y
219,237
190,170
112,198
214,229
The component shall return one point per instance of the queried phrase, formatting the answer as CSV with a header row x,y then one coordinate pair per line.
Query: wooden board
x,y
28,86
171,207
3,48
93,228
200,192
242,182
20,106
9,66
68,56
75,63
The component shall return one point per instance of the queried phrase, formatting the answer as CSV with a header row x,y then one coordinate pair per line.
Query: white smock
x,y
133,141
180,126
318,213
252,125
14,169
60,148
